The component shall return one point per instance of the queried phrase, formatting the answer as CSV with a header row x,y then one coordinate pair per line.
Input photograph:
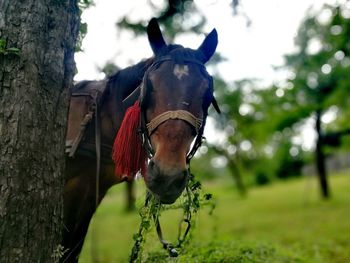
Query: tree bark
x,y
320,158
33,108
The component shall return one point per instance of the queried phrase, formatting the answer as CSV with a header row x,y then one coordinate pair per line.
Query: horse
x,y
165,101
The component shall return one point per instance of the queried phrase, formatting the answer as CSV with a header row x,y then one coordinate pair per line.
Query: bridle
x,y
146,128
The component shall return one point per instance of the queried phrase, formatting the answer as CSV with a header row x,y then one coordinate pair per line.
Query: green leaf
x,y
13,50
2,44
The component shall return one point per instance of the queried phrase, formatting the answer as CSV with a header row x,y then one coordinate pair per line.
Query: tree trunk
x,y
232,166
320,158
33,108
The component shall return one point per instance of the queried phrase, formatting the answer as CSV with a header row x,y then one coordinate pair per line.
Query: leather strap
x,y
98,147
147,128
171,115
73,146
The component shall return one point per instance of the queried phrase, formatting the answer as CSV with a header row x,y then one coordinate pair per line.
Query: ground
x,y
282,222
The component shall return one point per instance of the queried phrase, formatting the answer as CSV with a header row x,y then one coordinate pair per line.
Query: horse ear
x,y
208,47
216,105
155,36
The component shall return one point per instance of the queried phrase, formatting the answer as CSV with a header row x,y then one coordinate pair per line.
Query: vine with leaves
x,y
193,200
5,50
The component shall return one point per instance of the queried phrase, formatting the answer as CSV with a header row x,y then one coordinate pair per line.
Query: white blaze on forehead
x,y
180,71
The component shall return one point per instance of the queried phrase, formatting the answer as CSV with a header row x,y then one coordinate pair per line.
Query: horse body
x,y
173,83
80,193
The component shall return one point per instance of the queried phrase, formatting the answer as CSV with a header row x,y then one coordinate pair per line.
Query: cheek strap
x,y
171,115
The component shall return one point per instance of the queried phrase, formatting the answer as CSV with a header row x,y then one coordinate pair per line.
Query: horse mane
x,y
128,79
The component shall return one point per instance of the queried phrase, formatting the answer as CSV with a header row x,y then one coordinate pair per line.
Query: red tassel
x,y
128,154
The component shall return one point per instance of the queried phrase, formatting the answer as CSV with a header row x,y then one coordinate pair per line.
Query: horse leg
x,y
130,196
80,202
79,206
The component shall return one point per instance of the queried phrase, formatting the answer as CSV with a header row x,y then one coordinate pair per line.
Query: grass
x,y
282,222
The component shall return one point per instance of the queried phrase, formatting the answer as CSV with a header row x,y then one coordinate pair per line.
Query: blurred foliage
x,y
109,68
177,16
319,81
261,124
173,15
83,4
321,64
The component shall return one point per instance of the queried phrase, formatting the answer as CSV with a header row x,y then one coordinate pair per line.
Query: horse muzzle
x,y
166,186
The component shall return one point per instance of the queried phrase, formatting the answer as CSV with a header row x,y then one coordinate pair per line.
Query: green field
x,y
281,222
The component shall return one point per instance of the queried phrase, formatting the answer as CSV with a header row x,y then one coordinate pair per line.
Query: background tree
x,y
36,69
252,141
320,67
263,123
172,14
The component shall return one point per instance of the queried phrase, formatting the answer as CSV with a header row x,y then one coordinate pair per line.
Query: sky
x,y
251,52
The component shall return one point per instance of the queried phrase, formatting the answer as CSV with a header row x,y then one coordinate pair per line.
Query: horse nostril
x,y
180,181
151,164
152,167
153,170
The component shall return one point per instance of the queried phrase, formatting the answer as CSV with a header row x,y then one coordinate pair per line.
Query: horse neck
x,y
119,86
127,80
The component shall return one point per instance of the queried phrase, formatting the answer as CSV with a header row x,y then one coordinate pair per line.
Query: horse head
x,y
175,96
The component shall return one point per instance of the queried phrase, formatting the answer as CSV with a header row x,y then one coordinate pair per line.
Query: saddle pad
x,y
83,99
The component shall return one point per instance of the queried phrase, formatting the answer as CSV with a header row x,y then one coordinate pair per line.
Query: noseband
x,y
172,115
148,128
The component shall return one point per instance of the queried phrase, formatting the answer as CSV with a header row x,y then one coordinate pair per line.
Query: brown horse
x,y
174,92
